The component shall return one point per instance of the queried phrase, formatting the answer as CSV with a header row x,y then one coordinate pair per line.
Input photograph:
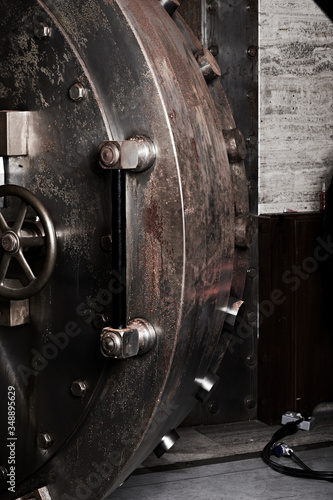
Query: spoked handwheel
x,y
15,241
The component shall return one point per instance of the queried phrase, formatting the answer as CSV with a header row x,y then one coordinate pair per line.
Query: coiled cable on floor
x,y
284,450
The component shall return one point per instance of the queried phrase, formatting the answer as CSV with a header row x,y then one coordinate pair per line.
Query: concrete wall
x,y
296,104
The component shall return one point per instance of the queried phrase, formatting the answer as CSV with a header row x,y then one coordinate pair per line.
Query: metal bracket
x,y
13,133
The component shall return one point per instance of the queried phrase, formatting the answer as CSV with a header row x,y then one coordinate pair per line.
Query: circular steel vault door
x,y
86,73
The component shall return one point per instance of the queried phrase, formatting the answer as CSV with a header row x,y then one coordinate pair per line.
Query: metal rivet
x,y
252,95
213,408
252,272
213,6
77,92
252,141
252,317
78,388
251,360
250,402
252,51
106,242
3,473
44,440
42,30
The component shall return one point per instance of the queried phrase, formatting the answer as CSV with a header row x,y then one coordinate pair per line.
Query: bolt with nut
x,y
109,154
42,30
78,388
77,92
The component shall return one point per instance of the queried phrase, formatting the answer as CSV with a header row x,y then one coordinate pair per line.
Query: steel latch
x,y
137,338
137,153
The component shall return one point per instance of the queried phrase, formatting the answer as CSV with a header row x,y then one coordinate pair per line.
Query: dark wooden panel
x,y
295,369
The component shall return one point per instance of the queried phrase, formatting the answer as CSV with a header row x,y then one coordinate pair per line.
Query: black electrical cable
x,y
299,461
287,430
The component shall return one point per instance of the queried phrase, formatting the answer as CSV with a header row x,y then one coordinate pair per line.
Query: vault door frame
x,y
230,31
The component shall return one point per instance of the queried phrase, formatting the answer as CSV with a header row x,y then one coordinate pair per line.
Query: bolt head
x,y
252,272
41,30
44,441
252,317
106,242
77,92
252,95
251,360
109,154
78,388
250,403
213,6
10,242
252,51
120,343
109,345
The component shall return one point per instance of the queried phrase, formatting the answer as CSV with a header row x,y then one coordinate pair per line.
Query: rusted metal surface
x,y
235,145
229,30
180,236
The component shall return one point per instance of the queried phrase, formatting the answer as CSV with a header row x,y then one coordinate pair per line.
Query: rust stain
x,y
153,220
